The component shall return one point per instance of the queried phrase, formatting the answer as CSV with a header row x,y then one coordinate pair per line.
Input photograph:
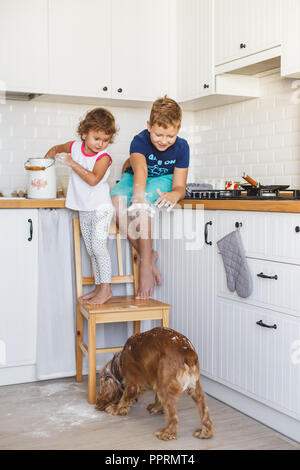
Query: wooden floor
x,y
56,415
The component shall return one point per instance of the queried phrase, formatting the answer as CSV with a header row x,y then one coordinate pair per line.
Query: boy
x,y
157,175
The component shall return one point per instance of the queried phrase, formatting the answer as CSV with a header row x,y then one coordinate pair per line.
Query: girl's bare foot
x,y
156,273
90,294
146,282
103,295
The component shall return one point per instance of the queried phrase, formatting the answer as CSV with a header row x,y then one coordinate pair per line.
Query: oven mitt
x,y
237,270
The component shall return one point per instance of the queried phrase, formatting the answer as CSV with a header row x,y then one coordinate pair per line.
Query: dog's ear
x,y
110,392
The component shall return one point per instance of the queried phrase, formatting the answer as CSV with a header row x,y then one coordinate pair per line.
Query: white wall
x,y
29,129
260,136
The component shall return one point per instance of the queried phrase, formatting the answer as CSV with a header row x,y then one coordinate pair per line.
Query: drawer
x,y
265,235
261,362
278,291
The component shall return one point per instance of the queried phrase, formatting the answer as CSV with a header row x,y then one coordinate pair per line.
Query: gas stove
x,y
242,194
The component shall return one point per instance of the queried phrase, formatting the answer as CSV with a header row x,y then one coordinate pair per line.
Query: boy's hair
x,y
99,119
165,112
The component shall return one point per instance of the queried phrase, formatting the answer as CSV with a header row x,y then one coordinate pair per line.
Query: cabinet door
x,y
18,279
258,361
195,49
79,47
24,45
187,267
140,49
244,27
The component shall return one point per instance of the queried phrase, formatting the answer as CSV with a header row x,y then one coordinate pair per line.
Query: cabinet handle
x,y
261,323
120,90
242,45
238,224
264,276
105,88
206,232
206,85
297,229
31,230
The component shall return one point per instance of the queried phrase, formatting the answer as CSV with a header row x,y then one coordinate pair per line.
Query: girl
x,y
88,192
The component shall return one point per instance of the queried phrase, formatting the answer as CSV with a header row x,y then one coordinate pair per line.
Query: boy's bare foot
x,y
103,295
146,282
156,273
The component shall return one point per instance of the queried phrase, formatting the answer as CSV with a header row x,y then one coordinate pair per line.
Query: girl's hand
x,y
64,159
167,200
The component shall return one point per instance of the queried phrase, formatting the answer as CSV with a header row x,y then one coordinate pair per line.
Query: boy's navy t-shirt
x,y
160,163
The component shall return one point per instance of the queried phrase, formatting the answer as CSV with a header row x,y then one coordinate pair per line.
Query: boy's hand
x,y
167,200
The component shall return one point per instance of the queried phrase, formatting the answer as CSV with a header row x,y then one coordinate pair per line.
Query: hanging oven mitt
x,y
237,270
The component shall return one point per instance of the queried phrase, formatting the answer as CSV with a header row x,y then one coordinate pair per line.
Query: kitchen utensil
x,y
41,179
232,185
254,185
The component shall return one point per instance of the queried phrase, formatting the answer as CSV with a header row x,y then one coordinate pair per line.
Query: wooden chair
x,y
117,309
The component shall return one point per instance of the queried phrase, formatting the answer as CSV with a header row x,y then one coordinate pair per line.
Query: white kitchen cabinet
x,y
188,272
140,49
275,285
265,235
195,67
80,47
24,46
245,27
19,284
256,360
290,57
121,51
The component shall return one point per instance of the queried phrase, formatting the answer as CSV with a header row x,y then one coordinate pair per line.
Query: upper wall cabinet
x,y
80,47
109,49
195,68
245,27
290,59
140,49
24,45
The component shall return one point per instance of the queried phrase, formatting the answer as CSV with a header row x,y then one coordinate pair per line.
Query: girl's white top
x,y
81,196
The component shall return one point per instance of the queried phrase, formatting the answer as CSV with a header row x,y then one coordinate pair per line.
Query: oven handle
x,y
206,232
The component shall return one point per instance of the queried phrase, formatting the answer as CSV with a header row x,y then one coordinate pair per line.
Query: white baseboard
x,y
280,422
17,374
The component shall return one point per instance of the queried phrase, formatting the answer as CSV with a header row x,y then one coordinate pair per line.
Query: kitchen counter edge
x,y
232,205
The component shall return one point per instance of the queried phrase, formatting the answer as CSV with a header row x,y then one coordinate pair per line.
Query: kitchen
x,y
234,68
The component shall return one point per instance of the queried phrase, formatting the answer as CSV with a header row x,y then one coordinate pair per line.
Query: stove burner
x,y
260,193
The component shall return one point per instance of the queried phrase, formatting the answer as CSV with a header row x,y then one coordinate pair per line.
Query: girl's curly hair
x,y
99,119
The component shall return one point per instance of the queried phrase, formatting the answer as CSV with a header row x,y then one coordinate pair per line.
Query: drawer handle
x,y
31,230
261,323
297,229
238,224
264,276
206,232
242,46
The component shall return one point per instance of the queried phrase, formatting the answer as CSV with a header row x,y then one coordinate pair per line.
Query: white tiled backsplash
x,y
258,136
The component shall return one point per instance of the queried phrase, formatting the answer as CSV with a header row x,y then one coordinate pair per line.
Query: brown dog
x,y
160,359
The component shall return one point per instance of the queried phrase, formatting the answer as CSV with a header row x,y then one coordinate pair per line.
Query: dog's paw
x,y
165,435
114,410
204,433
153,409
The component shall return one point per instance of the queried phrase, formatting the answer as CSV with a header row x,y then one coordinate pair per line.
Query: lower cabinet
x,y
257,352
188,269
19,281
